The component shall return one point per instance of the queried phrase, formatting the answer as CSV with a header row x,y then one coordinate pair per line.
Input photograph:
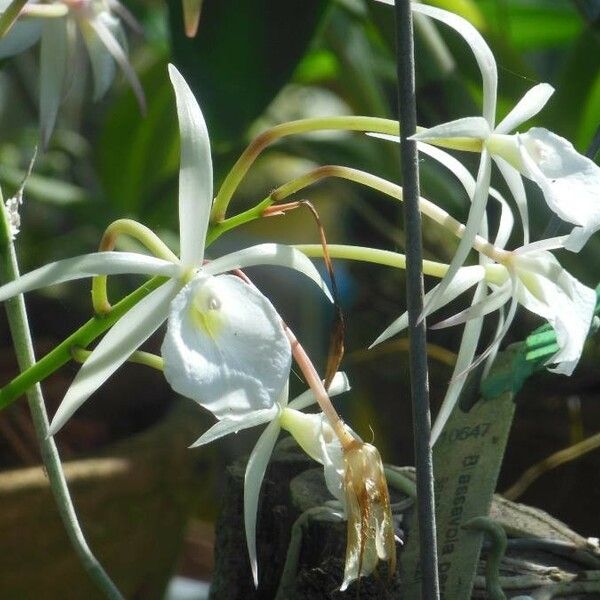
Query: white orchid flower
x,y
312,432
56,23
548,159
535,279
224,318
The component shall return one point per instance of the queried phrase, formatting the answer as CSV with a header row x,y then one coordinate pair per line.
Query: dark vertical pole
x,y
414,298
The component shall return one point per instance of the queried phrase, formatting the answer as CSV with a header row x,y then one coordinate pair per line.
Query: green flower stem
x,y
17,319
45,11
265,139
494,273
137,231
139,357
385,258
61,355
10,15
428,208
240,219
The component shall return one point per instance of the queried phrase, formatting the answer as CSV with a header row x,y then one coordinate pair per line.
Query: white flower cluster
x,y
529,275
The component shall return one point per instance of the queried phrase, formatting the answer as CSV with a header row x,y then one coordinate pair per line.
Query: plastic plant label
x,y
466,461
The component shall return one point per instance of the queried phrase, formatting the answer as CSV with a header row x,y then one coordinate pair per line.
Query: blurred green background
x,y
254,64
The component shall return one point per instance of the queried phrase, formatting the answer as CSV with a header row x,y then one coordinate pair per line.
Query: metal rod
x,y
419,378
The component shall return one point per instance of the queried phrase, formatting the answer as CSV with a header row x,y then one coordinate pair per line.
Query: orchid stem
x,y
428,208
137,231
316,385
385,258
18,323
419,378
265,139
139,357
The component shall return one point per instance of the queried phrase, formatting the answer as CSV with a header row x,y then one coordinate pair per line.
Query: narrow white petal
x,y
452,164
502,330
53,61
466,353
517,189
225,347
467,127
484,307
255,473
483,54
226,426
476,216
339,385
88,265
102,62
107,37
268,254
195,172
528,106
553,243
21,36
465,278
129,332
505,224
126,15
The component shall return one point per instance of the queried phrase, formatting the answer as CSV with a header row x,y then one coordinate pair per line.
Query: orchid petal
x,y
495,344
484,307
130,331
569,181
452,164
255,473
553,243
102,62
339,385
22,35
468,182
88,265
465,278
126,15
316,437
517,189
467,127
195,173
501,332
53,59
111,43
268,254
568,306
225,347
505,224
476,216
226,426
528,106
483,54
466,353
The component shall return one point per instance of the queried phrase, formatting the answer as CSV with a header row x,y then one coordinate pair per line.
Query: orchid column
x,y
419,380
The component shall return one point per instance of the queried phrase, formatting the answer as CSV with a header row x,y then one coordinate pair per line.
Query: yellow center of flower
x,y
205,311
